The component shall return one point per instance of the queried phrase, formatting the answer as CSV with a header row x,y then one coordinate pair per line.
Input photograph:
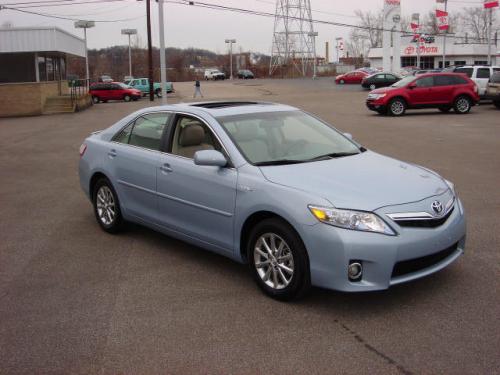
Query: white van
x,y
480,74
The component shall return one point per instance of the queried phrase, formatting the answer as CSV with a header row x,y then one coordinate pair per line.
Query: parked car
x,y
142,84
245,74
102,92
368,70
493,90
480,74
379,80
434,90
214,74
279,189
351,77
105,78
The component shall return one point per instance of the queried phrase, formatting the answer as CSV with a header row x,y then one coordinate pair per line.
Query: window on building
x,y
408,61
446,64
62,65
480,62
42,68
460,62
50,68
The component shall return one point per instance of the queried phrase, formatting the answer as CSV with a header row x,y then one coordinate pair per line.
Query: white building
x,y
458,52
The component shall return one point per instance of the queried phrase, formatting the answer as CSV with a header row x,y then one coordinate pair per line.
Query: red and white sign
x,y
442,19
393,2
490,4
424,50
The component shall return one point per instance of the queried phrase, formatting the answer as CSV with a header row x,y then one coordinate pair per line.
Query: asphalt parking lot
x,y
74,299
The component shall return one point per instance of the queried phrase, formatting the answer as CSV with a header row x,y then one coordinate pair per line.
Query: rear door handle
x,y
165,168
112,153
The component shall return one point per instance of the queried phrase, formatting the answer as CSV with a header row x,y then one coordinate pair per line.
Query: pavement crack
x,y
374,350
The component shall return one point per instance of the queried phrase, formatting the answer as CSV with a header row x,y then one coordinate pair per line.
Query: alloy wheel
x,y
273,261
105,202
372,87
397,107
463,105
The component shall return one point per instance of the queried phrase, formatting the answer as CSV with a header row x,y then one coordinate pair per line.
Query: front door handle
x,y
112,153
165,168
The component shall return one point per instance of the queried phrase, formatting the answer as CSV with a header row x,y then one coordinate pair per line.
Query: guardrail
x,y
78,88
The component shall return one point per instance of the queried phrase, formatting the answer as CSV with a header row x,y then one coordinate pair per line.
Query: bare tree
x,y
475,22
371,24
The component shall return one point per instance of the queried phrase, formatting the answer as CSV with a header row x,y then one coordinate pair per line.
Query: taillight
x,y
83,148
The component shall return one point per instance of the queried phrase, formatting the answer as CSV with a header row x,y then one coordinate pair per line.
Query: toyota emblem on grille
x,y
437,207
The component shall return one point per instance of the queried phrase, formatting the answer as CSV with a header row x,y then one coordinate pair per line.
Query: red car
x,y
102,92
435,90
351,77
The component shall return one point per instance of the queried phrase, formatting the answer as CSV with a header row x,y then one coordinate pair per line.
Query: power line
x,y
72,3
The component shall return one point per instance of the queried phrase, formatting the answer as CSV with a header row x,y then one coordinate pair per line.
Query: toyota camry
x,y
277,188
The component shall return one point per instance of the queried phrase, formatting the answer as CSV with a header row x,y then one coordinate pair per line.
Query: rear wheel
x,y
397,107
127,98
445,109
462,105
372,86
95,100
278,260
107,207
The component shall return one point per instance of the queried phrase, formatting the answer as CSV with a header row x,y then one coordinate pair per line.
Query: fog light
x,y
355,271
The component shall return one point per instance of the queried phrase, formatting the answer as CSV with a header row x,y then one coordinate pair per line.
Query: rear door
x,y
443,89
482,78
133,159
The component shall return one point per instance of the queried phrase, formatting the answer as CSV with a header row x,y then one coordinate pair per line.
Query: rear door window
x,y
144,82
443,81
483,73
146,131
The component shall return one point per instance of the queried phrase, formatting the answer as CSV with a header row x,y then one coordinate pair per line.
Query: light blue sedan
x,y
277,188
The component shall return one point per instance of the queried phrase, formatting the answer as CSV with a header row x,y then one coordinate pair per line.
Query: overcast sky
x,y
188,26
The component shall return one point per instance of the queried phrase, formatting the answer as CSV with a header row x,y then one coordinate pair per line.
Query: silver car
x,y
277,188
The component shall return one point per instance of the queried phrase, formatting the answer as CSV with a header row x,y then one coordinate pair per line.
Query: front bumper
x,y
387,260
374,105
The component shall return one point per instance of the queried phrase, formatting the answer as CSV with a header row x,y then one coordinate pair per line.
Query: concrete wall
x,y
26,99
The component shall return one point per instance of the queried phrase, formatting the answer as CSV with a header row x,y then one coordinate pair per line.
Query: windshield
x,y
404,81
285,138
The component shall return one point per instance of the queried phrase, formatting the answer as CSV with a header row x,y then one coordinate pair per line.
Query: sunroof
x,y
223,104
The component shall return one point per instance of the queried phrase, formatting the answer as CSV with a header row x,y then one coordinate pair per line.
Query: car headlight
x,y
376,96
349,219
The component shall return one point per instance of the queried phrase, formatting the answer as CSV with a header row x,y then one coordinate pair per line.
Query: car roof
x,y
224,108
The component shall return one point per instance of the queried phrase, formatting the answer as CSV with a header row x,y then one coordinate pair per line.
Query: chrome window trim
x,y
410,216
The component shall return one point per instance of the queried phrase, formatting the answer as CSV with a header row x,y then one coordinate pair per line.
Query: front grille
x,y
426,223
413,265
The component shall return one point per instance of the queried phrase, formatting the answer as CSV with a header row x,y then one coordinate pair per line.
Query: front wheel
x,y
372,86
278,260
95,100
397,107
107,207
462,105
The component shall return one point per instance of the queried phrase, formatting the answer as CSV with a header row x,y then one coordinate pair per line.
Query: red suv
x,y
436,90
102,92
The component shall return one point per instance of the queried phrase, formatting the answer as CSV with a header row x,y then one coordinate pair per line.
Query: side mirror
x,y
210,158
348,135
412,85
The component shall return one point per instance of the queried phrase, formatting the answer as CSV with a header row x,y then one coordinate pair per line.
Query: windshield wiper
x,y
334,155
279,162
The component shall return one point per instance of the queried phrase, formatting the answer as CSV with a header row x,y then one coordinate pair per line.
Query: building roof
x,y
40,39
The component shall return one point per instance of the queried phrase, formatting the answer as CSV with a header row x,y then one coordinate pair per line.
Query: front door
x,y
198,201
420,94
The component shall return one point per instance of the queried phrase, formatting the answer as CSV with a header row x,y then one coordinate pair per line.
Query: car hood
x,y
367,181
383,90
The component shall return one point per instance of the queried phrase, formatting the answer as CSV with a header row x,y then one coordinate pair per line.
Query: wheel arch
x,y
93,180
255,218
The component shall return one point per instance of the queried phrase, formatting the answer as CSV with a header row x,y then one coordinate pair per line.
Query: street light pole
x,y
231,41
150,52
490,24
163,67
444,36
85,25
129,32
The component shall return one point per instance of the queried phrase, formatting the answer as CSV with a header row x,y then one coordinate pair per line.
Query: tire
x,y
497,104
462,105
107,206
445,109
396,107
373,86
273,276
95,100
158,93
127,98
342,82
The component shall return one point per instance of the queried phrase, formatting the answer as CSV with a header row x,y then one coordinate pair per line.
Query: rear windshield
x,y
467,71
495,78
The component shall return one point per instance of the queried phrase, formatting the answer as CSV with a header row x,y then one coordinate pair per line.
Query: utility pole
x,y
490,25
230,41
163,68
444,36
129,32
85,25
313,35
150,52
